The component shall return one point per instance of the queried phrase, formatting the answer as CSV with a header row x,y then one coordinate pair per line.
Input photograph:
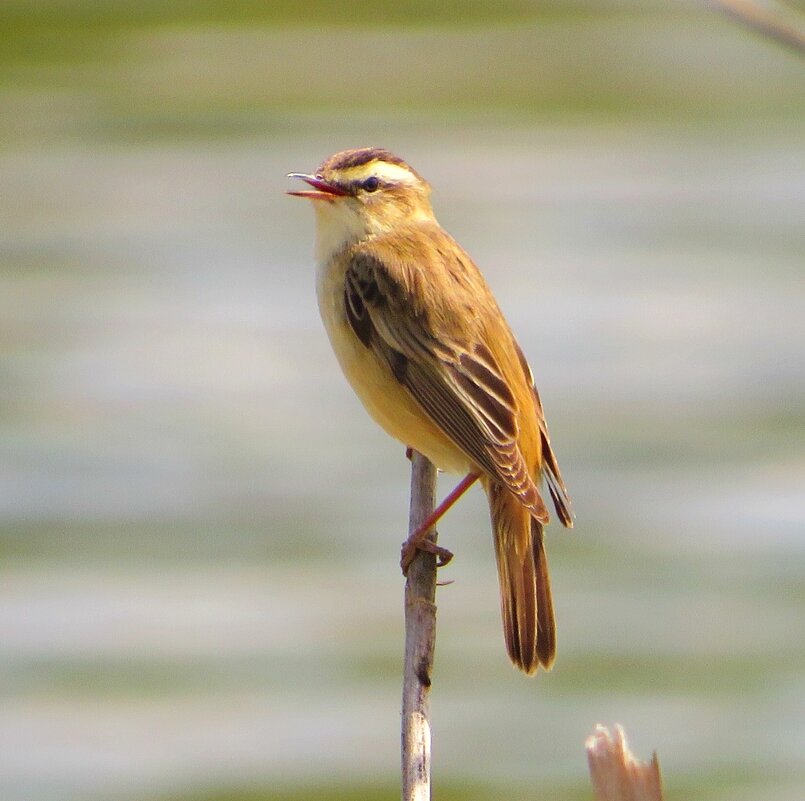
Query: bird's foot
x,y
413,544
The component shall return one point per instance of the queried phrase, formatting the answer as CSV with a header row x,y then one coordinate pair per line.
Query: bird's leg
x,y
418,540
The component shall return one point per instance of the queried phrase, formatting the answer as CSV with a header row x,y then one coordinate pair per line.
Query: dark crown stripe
x,y
360,156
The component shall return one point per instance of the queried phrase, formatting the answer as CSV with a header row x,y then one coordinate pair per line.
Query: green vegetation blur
x,y
208,69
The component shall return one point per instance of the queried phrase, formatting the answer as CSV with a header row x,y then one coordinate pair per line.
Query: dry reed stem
x,y
420,641
763,21
616,774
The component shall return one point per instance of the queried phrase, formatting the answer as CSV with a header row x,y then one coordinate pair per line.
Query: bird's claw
x,y
409,550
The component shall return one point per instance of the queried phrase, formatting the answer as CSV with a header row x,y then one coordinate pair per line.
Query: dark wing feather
x,y
550,465
356,309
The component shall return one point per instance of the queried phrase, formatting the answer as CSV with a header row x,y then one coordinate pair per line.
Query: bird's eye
x,y
371,183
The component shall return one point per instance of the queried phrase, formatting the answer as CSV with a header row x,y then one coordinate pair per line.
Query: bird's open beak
x,y
323,190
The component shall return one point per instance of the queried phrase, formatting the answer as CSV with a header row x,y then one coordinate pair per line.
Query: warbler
x,y
429,353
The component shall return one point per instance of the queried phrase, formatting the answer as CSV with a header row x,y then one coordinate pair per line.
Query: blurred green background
x,y
199,527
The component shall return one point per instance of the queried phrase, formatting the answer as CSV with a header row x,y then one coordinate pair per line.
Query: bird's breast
x,y
386,400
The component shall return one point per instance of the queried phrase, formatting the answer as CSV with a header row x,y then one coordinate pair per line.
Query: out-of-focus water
x,y
199,527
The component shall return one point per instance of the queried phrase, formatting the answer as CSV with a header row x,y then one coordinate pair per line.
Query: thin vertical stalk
x,y
420,641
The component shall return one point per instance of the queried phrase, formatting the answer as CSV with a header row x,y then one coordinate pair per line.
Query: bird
x,y
426,348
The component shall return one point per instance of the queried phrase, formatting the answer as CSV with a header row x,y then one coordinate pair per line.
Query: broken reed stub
x,y
616,774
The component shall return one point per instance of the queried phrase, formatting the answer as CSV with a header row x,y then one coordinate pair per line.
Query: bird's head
x,y
361,192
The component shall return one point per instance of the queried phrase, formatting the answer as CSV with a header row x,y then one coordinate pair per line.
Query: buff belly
x,y
386,400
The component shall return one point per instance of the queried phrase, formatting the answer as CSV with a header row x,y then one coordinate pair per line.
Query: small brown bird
x,y
426,348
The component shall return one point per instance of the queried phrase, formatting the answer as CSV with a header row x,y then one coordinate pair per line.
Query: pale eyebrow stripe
x,y
383,170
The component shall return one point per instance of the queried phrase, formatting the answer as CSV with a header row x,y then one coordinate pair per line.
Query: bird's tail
x,y
525,586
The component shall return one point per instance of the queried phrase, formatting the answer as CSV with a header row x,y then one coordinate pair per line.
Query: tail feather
x,y
546,627
525,588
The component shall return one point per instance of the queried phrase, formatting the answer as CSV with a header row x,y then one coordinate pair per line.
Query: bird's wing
x,y
433,349
550,465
